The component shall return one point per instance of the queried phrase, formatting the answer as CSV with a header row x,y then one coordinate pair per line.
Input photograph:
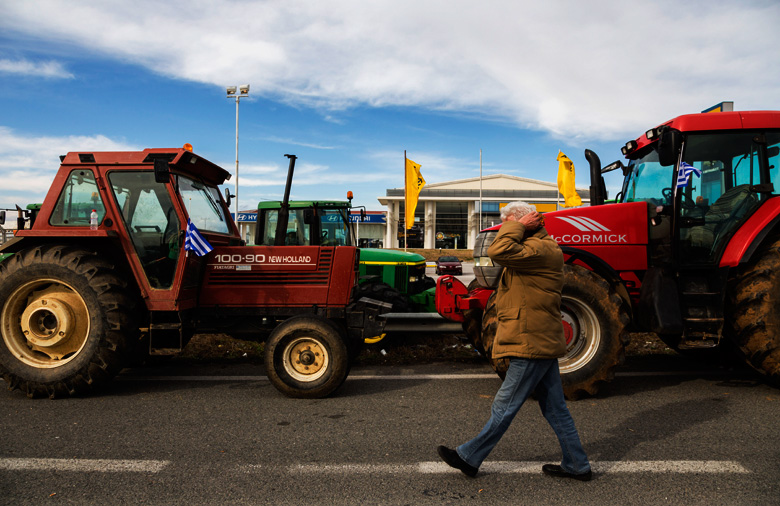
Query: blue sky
x,y
347,85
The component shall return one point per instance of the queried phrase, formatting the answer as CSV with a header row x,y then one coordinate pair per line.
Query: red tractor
x,y
690,250
101,271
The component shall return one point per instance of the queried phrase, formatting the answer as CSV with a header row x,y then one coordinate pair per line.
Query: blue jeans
x,y
524,377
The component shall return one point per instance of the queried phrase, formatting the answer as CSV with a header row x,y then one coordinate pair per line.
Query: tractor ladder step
x,y
165,338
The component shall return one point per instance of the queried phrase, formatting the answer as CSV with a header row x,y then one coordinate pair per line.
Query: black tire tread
x,y
339,357
116,308
755,313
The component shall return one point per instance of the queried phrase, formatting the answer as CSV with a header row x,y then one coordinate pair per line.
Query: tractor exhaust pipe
x,y
598,191
284,211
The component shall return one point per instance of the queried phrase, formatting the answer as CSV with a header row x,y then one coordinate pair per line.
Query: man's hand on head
x,y
532,221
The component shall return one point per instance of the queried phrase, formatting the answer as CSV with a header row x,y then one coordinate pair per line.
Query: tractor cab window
x,y
203,205
297,233
648,181
151,223
335,227
717,196
79,197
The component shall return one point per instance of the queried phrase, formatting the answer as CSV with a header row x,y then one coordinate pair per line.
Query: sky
x,y
349,85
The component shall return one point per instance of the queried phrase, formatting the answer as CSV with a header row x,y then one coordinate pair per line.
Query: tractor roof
x,y
296,204
732,120
179,159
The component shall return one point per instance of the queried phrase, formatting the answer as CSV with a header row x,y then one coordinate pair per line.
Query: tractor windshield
x,y
203,206
335,227
648,181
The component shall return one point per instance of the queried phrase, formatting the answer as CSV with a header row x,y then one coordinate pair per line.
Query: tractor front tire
x,y
755,314
65,320
595,321
307,357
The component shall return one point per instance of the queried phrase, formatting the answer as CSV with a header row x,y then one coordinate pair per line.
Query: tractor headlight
x,y
483,262
413,279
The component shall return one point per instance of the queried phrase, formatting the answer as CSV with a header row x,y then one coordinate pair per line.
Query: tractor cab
x,y
309,223
707,179
702,183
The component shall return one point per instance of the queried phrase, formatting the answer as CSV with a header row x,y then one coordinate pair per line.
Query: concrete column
x,y
391,230
430,224
473,222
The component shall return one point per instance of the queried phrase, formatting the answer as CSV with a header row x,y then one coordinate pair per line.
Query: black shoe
x,y
452,459
558,472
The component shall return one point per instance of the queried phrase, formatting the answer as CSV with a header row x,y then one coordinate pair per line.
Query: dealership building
x,y
448,214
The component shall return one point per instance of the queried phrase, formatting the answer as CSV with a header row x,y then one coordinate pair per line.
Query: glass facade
x,y
415,236
452,227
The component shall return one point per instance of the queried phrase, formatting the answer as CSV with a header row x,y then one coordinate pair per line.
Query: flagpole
x,y
480,192
406,201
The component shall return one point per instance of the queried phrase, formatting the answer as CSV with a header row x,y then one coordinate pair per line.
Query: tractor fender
x,y
752,234
12,246
600,267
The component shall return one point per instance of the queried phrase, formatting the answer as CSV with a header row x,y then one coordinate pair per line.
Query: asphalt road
x,y
221,434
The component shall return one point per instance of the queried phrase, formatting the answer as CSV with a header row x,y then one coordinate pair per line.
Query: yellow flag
x,y
414,185
566,181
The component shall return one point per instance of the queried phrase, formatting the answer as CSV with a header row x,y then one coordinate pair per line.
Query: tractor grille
x,y
268,277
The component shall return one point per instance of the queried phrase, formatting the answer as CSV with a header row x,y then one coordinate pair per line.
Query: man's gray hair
x,y
518,209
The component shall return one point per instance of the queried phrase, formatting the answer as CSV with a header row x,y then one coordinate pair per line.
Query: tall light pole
x,y
238,92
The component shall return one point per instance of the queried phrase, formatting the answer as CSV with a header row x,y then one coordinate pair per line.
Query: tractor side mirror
x,y
228,197
362,215
2,217
669,146
162,174
308,216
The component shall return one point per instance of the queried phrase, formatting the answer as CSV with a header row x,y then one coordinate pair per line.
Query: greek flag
x,y
196,242
684,174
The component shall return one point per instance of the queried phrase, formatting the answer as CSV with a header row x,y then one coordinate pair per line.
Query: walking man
x,y
530,334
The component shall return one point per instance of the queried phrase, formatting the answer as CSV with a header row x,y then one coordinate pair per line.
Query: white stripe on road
x,y
499,467
508,467
407,377
84,465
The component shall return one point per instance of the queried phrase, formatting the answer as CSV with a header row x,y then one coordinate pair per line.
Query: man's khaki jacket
x,y
528,299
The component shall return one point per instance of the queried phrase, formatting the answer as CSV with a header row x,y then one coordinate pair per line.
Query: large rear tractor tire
x,y
755,314
307,357
594,321
65,320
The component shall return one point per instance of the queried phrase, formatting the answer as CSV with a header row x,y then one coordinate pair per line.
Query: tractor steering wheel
x,y
667,193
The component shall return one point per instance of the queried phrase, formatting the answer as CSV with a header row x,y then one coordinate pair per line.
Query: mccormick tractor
x,y
690,250
101,271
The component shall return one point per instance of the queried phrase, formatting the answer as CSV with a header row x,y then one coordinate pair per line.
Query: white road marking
x,y
498,467
406,377
84,465
510,467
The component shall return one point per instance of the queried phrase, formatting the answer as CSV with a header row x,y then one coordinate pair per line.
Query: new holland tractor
x,y
395,278
101,271
690,250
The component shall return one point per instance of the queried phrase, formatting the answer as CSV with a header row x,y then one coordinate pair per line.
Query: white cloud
x,y
590,70
28,164
293,142
47,69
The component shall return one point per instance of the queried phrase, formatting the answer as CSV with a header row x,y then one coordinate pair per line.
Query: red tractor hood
x,y
611,224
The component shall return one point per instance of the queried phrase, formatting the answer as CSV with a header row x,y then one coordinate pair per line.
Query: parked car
x,y
448,265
